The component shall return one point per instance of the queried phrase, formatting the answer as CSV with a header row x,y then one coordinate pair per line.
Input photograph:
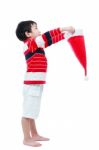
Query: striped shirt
x,y
35,55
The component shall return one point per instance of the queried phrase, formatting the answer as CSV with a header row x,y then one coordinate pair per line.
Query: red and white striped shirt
x,y
35,55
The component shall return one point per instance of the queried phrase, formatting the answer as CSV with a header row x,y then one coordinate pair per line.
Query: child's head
x,y
27,29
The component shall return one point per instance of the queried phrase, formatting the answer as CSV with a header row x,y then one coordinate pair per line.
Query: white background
x,y
70,105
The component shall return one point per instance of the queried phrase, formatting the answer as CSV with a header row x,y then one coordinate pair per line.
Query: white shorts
x,y
32,99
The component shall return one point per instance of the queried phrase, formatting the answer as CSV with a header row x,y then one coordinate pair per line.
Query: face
x,y
34,31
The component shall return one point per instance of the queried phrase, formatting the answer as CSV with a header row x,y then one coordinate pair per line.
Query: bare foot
x,y
31,142
39,138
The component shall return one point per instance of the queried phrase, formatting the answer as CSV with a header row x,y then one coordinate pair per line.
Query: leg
x,y
26,131
34,133
33,130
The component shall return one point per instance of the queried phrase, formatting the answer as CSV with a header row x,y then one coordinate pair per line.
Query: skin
x,y
35,32
30,132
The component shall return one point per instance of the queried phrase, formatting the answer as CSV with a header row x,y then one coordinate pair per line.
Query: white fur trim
x,y
41,76
76,33
40,42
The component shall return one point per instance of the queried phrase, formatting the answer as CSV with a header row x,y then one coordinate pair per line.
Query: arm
x,y
55,32
58,31
53,36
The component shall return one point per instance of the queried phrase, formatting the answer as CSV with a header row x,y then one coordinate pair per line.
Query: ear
x,y
28,34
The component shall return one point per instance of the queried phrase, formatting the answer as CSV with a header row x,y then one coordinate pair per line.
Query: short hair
x,y
22,27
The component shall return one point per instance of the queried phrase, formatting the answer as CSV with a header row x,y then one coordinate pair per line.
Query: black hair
x,y
22,28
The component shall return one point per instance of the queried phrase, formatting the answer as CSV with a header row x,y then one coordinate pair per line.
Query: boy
x,y
28,32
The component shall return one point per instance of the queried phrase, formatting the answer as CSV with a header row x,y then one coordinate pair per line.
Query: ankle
x,y
26,138
34,134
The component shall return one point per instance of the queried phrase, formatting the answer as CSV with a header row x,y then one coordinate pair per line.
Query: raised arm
x,y
53,36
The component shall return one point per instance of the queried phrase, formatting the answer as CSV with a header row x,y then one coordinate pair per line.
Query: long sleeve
x,y
55,32
50,37
35,56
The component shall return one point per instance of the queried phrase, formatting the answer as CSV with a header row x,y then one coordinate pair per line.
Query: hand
x,y
68,29
71,29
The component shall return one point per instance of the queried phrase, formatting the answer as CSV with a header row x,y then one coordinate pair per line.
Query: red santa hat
x,y
76,41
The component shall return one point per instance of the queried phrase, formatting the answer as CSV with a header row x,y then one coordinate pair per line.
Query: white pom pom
x,y
86,78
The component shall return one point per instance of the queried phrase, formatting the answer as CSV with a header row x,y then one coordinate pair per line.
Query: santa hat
x,y
76,41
